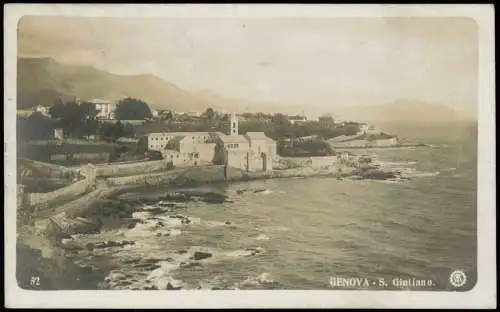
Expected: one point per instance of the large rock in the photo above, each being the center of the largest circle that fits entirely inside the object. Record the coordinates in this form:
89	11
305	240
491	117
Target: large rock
200	255
175	285
109	244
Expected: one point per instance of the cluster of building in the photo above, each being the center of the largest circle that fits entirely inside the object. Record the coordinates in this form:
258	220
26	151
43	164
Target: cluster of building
106	110
253	151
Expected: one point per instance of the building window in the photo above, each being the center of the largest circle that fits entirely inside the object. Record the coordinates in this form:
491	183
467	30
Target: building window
236	145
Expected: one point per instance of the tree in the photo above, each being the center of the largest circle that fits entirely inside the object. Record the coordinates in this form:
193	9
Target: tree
111	132
35	127
281	120
88	110
132	109
168	116
209	113
69	117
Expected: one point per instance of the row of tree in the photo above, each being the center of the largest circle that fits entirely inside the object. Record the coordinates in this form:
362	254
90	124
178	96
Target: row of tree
80	120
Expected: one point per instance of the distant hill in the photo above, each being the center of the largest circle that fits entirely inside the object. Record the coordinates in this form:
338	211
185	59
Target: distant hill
402	110
42	80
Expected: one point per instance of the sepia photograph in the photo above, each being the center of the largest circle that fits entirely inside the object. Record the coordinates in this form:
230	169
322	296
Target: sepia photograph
203	152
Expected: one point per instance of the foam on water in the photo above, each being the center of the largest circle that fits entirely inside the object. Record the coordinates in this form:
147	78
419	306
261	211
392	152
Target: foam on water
262	279
304	243
262	237
243	252
397	163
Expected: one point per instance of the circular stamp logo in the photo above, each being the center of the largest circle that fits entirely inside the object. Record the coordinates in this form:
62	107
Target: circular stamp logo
458	278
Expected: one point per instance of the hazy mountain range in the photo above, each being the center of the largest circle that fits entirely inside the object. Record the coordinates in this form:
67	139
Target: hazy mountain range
42	80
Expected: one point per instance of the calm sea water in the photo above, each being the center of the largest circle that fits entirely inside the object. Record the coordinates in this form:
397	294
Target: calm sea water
311	229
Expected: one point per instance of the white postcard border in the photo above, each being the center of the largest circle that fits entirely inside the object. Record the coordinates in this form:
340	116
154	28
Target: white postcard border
483	295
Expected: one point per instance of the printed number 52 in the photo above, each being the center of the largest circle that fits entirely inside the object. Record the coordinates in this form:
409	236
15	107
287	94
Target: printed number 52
35	280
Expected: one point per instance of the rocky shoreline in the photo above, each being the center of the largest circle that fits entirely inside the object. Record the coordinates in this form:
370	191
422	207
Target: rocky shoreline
69	269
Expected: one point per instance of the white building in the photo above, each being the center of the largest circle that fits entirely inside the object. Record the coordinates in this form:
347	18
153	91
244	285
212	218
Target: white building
154	113
193	114
297	119
231	125
253	151
58	134
42	109
363	128
184	147
106	109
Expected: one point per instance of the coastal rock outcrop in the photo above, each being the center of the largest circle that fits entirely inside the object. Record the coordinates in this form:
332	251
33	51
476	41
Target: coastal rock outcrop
200	255
108	244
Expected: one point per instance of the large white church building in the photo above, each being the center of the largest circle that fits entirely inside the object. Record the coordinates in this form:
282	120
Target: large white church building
253	151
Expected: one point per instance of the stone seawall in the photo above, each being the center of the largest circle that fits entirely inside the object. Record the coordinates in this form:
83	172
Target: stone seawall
49	170
141	179
72	190
110	170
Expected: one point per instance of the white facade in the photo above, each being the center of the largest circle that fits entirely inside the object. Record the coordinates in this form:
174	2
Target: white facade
297	120
363	128
42	109
184	147
231	125
106	109
253	151
58	134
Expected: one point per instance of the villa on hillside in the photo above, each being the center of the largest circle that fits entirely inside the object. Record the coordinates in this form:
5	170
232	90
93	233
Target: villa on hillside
253	151
297	119
326	121
44	110
106	109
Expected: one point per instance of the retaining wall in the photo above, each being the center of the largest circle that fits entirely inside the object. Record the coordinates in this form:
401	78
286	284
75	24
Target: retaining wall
74	208
47	169
110	170
141	179
75	189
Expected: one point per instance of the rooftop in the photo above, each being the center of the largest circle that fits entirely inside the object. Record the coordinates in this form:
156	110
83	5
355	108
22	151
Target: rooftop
233	138
174	143
99	101
256	135
185	133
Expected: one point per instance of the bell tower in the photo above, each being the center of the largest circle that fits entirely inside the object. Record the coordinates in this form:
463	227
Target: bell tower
231	124
234	124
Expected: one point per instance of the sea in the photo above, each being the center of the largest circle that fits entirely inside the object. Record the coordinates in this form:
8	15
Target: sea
302	233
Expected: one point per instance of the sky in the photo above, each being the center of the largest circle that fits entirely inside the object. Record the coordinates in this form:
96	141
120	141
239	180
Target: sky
292	61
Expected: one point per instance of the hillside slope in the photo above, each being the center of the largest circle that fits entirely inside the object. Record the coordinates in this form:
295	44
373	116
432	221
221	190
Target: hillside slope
42	80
